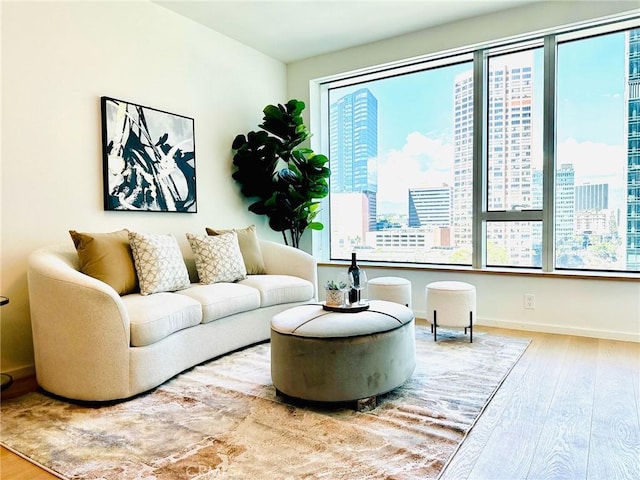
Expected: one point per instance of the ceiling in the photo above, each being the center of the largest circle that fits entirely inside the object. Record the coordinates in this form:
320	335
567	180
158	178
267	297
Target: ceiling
296	29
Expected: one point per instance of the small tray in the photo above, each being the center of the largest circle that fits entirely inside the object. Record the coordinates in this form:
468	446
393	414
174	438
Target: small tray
355	308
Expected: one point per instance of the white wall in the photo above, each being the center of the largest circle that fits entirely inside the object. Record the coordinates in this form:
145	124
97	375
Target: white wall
58	58
607	309
590	308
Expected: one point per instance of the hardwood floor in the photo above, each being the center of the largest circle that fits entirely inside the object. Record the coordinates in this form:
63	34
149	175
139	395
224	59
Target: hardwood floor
13	467
569	409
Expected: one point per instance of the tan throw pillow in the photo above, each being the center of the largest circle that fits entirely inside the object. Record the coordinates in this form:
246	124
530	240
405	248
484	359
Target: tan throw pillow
218	258
249	247
107	257
159	263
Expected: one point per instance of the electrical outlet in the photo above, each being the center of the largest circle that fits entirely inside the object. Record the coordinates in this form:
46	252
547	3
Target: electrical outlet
529	301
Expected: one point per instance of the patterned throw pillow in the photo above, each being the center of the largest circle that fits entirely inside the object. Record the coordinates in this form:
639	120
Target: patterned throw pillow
158	262
249	247
218	258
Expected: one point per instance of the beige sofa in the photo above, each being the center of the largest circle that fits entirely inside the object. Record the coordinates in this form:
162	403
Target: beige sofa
92	344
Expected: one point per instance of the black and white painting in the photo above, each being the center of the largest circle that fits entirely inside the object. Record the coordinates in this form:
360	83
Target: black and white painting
148	159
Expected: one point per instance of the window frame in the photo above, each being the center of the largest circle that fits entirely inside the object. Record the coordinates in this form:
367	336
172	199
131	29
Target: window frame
480	55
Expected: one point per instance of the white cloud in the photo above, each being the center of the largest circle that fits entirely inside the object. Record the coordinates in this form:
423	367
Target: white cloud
594	162
422	162
425	162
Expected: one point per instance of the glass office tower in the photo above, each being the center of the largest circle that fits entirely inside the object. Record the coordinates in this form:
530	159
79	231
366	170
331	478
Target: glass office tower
633	149
353	147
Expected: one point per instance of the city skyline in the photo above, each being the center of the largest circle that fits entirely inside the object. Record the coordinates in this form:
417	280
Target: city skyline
417	131
437	150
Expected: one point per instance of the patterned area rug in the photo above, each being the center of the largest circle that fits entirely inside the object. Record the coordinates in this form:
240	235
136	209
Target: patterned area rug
223	420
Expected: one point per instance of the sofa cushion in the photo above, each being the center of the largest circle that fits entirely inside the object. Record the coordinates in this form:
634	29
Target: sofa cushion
218	259
279	289
107	257
223	299
249	247
154	317
158	262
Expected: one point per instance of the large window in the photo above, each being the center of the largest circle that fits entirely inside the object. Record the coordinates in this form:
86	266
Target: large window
524	154
398	146
593	156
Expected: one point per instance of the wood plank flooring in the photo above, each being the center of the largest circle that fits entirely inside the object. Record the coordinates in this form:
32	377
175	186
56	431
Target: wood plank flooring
569	409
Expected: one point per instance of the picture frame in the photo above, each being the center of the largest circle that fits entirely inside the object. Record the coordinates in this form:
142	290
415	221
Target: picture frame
148	158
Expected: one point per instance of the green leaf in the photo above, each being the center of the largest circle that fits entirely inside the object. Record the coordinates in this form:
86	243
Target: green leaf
295	107
315	226
238	142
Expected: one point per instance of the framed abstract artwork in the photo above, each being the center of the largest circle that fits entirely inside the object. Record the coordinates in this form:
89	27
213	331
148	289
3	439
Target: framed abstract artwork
148	159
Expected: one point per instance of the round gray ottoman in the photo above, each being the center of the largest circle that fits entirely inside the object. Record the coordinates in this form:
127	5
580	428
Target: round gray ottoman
326	356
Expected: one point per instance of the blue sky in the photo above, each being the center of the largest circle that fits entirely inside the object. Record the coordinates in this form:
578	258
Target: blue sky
591	89
428	109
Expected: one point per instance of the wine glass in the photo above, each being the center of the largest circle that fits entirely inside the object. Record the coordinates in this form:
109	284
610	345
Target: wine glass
344	286
357	281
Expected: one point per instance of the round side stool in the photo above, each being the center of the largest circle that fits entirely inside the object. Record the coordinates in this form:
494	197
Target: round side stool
451	304
391	289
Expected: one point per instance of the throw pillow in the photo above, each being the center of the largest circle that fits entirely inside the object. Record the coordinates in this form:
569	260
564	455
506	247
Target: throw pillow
107	257
159	263
218	258
249	246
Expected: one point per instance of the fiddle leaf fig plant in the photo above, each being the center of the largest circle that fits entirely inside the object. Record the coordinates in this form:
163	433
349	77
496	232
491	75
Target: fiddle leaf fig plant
284	180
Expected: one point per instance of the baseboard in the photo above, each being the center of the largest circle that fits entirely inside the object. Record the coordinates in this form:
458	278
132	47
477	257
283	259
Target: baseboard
547	328
562	330
21	372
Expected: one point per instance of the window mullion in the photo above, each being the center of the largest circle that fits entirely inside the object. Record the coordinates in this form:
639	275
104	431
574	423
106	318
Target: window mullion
549	153
479	224
514	216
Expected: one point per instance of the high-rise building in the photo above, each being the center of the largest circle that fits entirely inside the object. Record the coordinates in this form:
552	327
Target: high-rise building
353	147
463	160
430	206
592	197
565	203
536	188
633	148
509	140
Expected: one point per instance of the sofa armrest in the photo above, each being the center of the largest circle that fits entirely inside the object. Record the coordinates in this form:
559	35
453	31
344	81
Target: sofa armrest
80	329
282	259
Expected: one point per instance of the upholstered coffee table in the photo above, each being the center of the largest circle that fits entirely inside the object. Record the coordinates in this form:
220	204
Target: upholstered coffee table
326	356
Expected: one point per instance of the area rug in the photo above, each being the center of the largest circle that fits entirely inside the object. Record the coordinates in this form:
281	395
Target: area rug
223	419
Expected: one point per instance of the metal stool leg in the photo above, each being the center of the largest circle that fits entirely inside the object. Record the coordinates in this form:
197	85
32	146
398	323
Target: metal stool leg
470	327
435	327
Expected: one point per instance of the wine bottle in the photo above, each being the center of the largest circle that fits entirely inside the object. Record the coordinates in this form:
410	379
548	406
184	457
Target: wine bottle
354	295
